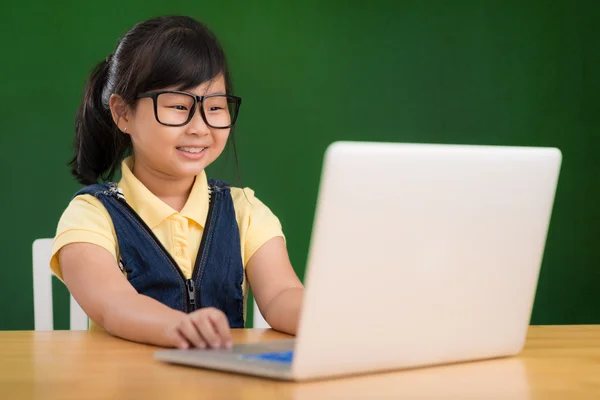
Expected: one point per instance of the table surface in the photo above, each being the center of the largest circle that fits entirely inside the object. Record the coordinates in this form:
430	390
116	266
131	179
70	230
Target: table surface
561	362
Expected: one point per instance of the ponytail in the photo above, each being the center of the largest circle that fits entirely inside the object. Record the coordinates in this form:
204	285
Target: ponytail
99	144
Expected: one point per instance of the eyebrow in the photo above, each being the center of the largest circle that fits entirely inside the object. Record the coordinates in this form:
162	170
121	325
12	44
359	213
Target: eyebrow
215	92
206	93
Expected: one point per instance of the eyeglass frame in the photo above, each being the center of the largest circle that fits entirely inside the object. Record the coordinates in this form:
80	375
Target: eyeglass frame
197	99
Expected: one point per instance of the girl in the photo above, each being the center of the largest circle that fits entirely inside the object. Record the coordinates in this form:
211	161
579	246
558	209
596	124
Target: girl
162	256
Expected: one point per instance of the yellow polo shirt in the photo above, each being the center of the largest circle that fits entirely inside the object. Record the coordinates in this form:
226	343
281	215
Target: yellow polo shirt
86	220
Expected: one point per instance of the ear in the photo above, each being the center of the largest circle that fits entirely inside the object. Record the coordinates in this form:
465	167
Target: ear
120	111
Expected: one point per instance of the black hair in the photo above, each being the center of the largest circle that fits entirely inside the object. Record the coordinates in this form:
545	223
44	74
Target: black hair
171	51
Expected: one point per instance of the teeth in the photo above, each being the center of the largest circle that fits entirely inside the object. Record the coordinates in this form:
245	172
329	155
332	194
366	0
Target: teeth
192	149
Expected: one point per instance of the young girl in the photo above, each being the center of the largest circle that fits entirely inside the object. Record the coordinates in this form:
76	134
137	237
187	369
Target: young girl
162	256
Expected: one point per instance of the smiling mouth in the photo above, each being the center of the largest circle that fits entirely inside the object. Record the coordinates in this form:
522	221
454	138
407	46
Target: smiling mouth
193	150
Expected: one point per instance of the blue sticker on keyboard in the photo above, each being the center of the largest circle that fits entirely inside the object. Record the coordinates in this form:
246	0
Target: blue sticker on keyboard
284	357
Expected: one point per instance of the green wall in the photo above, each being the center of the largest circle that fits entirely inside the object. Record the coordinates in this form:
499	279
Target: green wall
314	71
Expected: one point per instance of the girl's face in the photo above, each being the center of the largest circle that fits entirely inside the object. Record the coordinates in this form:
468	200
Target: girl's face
173	152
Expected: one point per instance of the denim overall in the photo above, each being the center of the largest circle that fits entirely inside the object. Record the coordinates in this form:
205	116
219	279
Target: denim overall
218	273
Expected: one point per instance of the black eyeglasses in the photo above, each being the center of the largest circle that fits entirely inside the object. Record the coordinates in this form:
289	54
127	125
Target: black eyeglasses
176	108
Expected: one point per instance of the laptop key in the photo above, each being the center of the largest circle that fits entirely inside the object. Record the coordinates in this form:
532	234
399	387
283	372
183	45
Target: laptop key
284	357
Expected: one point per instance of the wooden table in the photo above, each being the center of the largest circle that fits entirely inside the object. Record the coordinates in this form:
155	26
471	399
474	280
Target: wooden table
561	362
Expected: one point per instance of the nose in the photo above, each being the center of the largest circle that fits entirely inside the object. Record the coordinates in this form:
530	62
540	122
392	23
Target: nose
197	126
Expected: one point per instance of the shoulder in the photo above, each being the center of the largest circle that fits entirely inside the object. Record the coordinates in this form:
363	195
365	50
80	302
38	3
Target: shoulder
247	204
84	220
257	222
84	211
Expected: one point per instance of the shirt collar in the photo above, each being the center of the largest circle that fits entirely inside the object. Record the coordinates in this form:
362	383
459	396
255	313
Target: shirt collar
152	209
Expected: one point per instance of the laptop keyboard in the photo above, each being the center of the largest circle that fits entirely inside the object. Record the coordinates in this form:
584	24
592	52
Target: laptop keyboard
284	357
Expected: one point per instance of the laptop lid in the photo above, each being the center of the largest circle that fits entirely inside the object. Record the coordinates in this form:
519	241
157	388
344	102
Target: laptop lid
423	254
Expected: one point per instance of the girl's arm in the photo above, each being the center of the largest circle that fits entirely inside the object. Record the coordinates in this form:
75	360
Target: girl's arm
276	288
94	279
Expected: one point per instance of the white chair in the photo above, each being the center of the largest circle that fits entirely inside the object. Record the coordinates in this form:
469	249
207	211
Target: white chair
42	291
42	294
258	321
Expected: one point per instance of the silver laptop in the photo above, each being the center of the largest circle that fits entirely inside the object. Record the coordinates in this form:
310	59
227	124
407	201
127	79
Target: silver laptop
420	255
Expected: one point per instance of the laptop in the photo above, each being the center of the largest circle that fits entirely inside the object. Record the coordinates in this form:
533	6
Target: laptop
420	255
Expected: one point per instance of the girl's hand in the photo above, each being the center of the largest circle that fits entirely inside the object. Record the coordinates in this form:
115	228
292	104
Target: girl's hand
204	328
